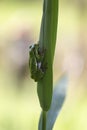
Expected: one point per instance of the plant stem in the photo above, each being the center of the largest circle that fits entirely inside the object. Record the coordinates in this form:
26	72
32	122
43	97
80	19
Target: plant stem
43	120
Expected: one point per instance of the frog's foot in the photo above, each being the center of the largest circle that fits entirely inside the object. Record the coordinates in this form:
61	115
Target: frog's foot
44	67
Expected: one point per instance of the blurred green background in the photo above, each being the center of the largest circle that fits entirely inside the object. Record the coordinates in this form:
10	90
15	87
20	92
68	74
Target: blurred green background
19	27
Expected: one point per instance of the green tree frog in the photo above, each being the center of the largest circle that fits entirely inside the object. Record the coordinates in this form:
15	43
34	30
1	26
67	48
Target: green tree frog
36	62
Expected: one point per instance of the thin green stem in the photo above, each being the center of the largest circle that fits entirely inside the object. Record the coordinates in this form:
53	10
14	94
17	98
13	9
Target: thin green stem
43	120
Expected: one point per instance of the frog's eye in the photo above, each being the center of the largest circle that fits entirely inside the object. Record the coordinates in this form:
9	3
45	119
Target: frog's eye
31	47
